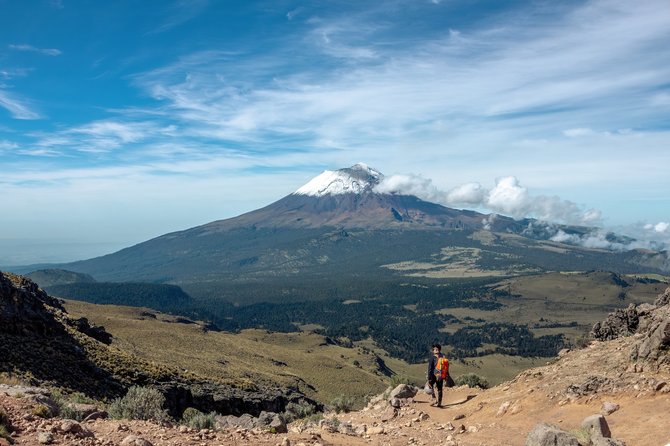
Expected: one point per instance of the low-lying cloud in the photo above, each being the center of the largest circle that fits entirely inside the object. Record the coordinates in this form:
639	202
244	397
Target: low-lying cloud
507	197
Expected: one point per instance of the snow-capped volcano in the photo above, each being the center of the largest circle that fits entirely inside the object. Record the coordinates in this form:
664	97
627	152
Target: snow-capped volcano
355	179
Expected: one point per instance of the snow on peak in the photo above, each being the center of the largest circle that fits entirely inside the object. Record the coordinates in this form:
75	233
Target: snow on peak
352	180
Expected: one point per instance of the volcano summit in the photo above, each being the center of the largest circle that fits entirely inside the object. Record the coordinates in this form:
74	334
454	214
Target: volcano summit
338	227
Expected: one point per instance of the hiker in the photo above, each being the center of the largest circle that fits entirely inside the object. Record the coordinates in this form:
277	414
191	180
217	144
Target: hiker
438	370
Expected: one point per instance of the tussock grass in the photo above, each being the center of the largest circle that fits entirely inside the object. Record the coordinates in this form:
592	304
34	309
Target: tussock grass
5	425
195	419
10	379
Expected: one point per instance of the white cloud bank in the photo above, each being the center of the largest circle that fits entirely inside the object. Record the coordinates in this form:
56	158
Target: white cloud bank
507	197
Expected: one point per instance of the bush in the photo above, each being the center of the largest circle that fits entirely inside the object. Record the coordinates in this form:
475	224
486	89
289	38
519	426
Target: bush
42	411
342	404
4	425
4	432
64	402
195	419
396	380
140	403
472	380
298	411
10	379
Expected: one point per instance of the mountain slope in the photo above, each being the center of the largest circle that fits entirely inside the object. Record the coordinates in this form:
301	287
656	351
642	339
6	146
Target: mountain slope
337	227
40	342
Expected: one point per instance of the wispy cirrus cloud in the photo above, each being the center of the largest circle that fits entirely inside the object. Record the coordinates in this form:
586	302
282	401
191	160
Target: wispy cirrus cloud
443	85
18	107
180	12
10	73
33	49
98	136
8	145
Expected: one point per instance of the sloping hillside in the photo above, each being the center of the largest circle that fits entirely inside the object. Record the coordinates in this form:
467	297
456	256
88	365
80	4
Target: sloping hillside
41	343
626	378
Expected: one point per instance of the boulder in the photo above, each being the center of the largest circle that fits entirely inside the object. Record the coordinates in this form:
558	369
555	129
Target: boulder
597	426
656	341
547	435
609	408
134	440
278	425
389	414
403	391
375	430
45	438
591	385
74	428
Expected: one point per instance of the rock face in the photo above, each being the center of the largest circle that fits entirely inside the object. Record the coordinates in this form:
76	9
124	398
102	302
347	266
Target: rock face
23	307
622	322
651	323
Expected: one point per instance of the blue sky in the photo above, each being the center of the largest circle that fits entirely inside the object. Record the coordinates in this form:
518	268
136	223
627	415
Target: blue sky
124	120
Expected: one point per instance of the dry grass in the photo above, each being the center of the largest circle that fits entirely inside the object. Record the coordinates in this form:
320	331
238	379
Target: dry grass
11	379
253	357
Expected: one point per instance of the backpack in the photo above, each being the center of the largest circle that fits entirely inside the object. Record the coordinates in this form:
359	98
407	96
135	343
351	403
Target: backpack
441	367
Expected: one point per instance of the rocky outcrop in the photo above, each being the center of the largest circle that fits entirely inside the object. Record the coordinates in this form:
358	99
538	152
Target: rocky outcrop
649	323
25	308
212	397
622	322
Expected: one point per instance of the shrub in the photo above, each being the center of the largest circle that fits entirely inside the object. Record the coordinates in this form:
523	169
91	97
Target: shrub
42	411
298	411
396	380
64	401
140	403
342	404
4	425
583	435
10	379
195	419
472	380
4	432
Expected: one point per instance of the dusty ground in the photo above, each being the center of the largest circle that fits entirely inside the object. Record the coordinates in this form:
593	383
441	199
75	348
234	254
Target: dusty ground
499	416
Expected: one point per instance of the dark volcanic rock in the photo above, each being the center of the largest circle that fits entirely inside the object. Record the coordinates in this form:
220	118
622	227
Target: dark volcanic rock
620	323
23	307
226	400
650	323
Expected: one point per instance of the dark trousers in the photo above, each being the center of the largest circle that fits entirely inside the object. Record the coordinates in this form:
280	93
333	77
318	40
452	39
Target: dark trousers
437	383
